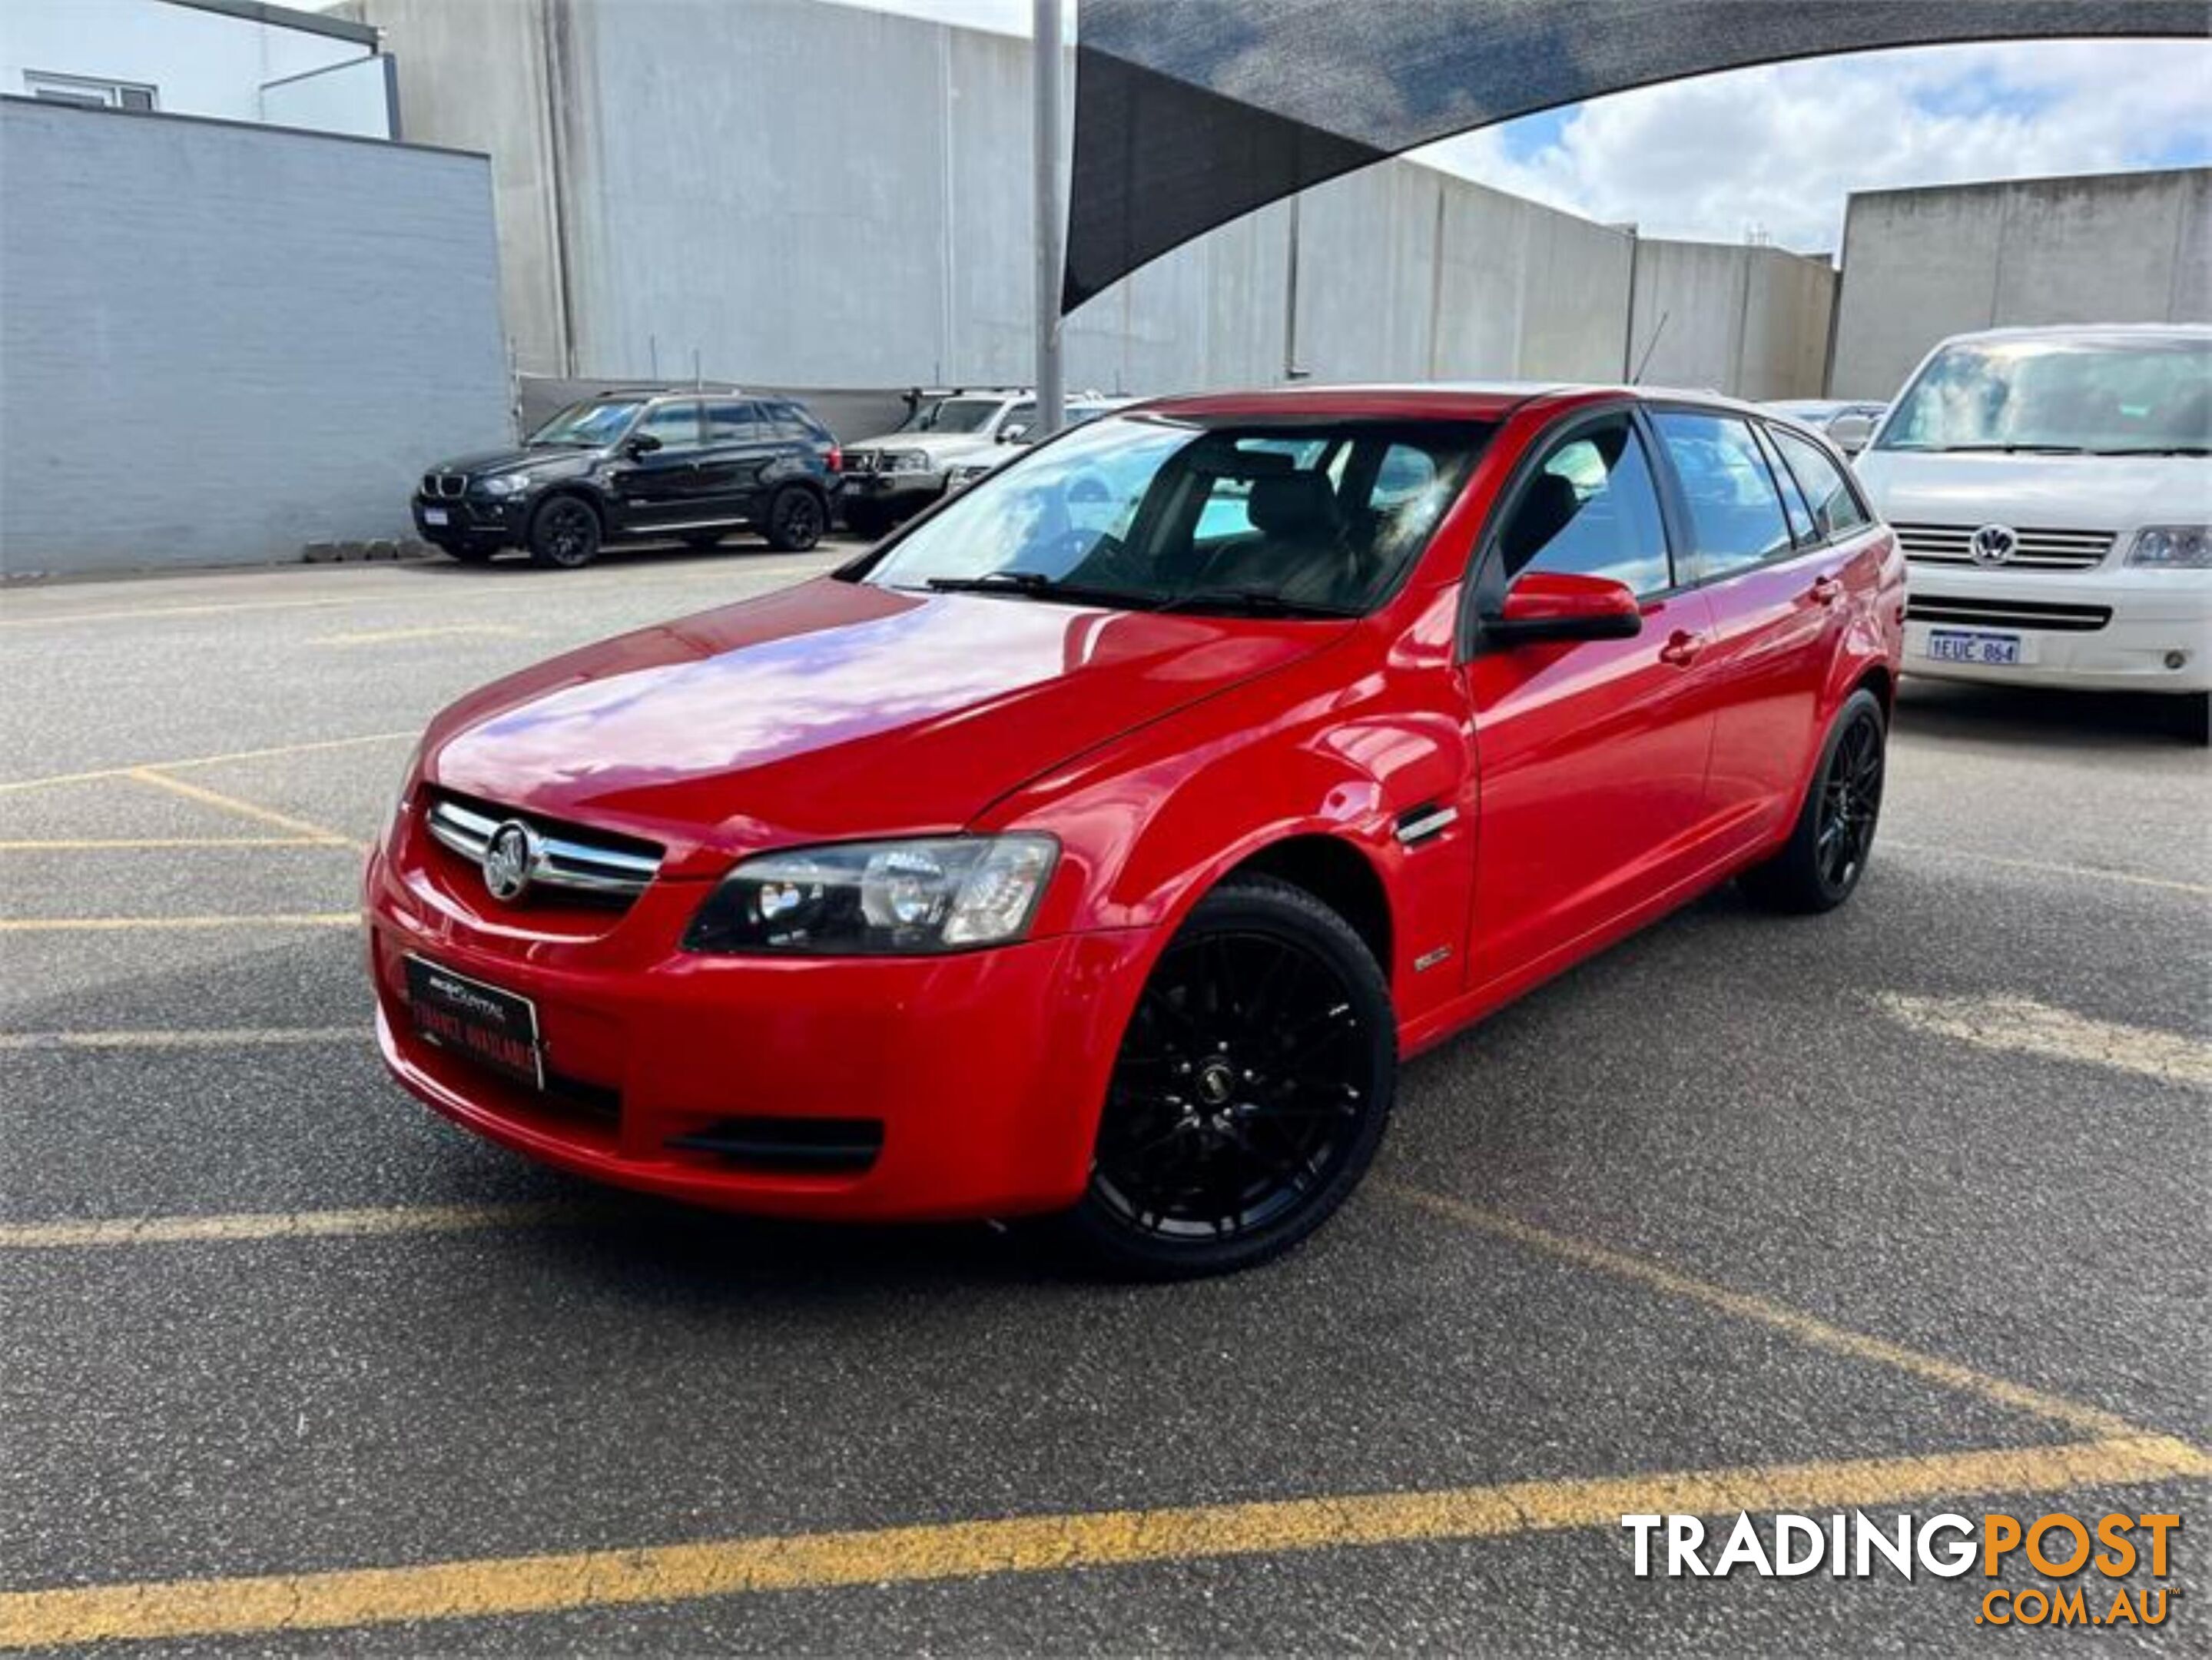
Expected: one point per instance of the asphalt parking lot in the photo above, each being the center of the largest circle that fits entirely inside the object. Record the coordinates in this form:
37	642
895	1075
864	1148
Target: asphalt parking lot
1902	1208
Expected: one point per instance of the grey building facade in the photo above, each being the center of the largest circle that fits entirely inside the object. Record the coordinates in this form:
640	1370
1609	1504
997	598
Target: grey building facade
292	325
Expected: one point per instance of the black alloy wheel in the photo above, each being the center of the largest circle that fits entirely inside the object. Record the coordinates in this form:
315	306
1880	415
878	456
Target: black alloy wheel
1828	849
1850	801
564	534
796	520
1251	1091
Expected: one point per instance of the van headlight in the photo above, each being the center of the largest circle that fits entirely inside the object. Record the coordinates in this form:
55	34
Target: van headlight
879	898
2172	547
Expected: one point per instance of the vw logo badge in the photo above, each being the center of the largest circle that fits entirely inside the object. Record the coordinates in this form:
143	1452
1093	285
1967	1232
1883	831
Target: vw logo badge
508	859
1993	545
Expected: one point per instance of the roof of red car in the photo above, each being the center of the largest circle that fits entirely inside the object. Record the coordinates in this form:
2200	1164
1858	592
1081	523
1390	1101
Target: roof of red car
1475	400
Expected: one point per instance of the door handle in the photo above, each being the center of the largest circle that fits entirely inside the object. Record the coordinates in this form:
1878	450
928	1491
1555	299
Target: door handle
1827	590
1681	648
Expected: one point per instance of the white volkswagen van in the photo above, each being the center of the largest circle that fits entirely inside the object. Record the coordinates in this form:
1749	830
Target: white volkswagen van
2052	489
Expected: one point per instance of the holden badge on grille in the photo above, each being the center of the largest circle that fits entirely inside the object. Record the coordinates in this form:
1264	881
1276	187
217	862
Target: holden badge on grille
508	859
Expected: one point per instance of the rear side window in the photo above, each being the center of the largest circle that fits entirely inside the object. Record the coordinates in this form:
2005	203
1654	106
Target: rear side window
1836	509
732	423
1735	516
1591	510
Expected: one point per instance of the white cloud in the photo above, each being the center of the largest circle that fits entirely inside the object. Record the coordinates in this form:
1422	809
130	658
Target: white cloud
1780	148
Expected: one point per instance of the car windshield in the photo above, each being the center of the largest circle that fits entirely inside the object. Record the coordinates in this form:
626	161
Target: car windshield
1149	513
2082	395
595	422
954	415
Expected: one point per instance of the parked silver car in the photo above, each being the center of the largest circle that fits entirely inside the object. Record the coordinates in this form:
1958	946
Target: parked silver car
1848	424
950	436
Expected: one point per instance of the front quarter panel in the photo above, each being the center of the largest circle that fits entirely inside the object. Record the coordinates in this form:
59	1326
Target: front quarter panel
1339	745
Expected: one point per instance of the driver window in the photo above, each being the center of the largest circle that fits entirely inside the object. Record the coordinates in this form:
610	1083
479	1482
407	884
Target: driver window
1591	510
676	425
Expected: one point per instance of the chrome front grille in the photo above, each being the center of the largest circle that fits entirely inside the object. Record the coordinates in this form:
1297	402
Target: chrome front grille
561	856
2005	614
864	460
2035	550
444	484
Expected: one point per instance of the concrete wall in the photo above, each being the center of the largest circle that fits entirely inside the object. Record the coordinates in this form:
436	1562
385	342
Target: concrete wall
817	195
199	62
1751	321
297	326
1919	264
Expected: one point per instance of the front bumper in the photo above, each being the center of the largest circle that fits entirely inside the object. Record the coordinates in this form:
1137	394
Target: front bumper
467	519
2155	617
985	1070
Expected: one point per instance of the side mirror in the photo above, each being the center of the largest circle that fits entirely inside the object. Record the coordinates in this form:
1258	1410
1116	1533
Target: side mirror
1015	433
644	444
1546	605
1850	433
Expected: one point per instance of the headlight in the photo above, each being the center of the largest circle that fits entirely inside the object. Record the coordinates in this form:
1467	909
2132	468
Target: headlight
879	898
906	461
2172	547
509	483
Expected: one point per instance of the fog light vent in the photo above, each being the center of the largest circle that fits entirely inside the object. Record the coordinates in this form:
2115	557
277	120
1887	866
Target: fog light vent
799	1146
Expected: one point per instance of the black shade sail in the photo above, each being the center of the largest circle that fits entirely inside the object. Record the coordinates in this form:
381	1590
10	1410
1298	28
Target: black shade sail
1190	112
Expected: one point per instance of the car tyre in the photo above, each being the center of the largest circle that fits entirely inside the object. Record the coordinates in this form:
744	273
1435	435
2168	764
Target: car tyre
564	534
2193	718
796	519
1829	845
1251	1089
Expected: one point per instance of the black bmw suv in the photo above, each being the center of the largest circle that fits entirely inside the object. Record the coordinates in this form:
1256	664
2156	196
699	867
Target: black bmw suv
629	466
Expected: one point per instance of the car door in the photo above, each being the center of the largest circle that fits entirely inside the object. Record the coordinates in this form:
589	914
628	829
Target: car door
658	488
1592	754
1775	622
740	446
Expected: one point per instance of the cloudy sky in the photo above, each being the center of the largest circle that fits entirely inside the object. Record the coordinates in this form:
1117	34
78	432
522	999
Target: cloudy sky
1775	150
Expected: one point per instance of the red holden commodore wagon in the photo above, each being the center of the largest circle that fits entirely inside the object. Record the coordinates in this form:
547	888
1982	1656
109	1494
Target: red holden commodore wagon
1100	842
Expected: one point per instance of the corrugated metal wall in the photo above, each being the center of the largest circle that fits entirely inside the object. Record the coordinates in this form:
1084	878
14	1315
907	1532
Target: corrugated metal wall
220	343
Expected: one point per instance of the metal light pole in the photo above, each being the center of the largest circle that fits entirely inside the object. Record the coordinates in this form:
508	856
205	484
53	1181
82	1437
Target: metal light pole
1044	140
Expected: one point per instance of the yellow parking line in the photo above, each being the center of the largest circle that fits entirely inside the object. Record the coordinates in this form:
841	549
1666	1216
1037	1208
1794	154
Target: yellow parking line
334	919
2024	1026
1046	1544
210	798
1803	1326
2043	866
209	1037
386	636
180	762
101	1232
139	844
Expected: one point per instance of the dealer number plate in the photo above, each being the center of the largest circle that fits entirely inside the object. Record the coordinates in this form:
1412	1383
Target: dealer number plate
494	1027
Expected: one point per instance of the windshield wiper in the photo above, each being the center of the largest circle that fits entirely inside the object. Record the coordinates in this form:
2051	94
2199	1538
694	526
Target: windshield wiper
2158	449
1252	602
1036	585
2012	449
